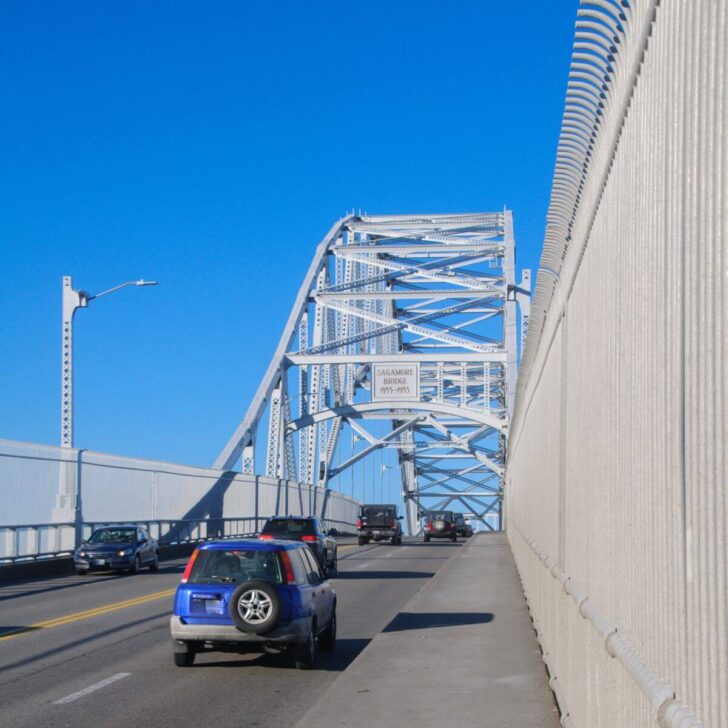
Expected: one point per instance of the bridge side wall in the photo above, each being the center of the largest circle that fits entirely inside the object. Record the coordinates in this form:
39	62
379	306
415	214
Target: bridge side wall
616	475
114	488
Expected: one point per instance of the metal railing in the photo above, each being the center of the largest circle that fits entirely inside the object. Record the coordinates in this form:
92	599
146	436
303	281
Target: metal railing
35	541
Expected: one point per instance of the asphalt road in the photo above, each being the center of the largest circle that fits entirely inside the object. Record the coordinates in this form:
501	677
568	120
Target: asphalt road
95	650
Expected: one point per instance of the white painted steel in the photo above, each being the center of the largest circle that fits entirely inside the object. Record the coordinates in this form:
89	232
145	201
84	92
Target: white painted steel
436	293
616	498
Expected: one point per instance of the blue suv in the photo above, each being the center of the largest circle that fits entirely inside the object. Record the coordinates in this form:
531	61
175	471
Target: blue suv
253	596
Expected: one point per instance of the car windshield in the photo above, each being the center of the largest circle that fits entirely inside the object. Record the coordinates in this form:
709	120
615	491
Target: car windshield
289	527
378	514
219	566
113	535
441	516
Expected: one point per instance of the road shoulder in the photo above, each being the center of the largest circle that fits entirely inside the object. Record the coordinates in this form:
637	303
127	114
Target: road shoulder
462	650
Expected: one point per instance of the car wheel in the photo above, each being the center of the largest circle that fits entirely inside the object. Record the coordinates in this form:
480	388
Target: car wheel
81	572
305	656
454	538
136	567
332	571
254	607
427	539
154	566
361	541
327	639
184	659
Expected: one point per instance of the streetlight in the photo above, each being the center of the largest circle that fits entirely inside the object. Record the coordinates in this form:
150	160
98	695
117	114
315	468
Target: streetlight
72	300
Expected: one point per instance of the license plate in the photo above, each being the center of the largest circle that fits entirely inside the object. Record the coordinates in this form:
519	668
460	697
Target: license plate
207	605
99	562
377	533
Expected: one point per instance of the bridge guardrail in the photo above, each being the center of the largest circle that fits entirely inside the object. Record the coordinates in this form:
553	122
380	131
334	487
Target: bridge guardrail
36	541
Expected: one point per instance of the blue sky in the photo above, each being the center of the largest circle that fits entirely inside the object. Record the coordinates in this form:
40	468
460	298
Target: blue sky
210	146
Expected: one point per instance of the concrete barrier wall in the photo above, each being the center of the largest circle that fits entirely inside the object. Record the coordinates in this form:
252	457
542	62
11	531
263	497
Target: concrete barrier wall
38	484
616	504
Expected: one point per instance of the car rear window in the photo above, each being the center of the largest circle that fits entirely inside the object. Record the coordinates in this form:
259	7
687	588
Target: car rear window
441	516
220	566
378	514
290	527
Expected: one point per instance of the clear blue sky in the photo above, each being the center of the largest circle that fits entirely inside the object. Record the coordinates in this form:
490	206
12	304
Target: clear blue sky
210	145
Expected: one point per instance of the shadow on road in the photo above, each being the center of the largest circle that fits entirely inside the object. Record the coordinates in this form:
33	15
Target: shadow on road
86	640
384	575
346	652
6	630
31	587
427	620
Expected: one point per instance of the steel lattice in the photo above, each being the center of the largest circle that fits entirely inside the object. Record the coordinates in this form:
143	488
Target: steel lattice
438	291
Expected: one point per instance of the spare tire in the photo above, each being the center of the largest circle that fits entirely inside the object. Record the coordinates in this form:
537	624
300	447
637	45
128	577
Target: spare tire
255	607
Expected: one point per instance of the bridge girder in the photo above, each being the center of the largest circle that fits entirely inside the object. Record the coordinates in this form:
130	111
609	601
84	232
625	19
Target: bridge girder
434	292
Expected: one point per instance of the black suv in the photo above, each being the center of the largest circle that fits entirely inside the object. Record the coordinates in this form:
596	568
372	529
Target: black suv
441	524
312	532
463	528
379	523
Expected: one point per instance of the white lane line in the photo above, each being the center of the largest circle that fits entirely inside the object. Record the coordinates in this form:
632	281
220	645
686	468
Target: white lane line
364	566
389	555
92	688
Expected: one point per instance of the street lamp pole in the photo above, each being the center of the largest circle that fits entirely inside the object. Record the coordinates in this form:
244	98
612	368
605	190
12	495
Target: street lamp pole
68	498
73	300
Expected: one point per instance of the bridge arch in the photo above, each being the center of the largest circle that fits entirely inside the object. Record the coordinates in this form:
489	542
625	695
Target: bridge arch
437	293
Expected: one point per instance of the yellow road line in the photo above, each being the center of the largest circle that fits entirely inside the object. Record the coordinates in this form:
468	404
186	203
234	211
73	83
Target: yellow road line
69	618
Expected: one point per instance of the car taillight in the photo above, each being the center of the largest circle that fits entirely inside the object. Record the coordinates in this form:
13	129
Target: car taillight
309	539
288	568
394	523
266	537
190	564
428	526
359	523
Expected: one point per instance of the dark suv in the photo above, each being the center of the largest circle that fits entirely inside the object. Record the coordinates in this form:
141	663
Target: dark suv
312	532
441	524
463	528
378	523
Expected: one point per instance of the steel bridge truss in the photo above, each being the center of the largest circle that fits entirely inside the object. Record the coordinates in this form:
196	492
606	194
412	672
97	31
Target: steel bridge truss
436	291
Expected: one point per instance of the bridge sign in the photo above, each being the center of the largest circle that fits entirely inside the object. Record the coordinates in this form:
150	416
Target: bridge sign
395	381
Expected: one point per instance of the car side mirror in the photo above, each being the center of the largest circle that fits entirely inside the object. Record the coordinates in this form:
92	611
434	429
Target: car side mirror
333	532
399	518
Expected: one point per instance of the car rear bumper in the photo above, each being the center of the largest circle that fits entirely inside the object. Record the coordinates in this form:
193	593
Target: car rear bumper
377	532
293	632
440	534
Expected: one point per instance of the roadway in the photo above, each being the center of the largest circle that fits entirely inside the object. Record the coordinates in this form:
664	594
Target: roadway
95	650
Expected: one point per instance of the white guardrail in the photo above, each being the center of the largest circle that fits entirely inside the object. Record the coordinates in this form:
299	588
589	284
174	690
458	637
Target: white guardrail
50	497
25	542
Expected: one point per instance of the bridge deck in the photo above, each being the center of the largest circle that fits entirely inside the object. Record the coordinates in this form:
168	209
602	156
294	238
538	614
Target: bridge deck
462	651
